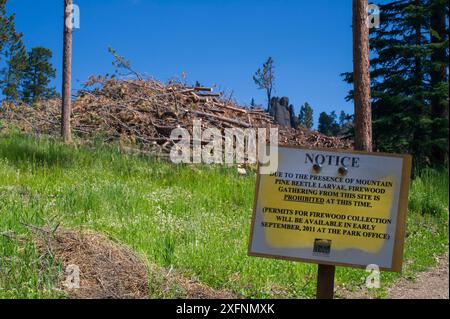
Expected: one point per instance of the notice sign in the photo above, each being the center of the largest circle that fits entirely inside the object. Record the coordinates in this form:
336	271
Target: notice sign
337	208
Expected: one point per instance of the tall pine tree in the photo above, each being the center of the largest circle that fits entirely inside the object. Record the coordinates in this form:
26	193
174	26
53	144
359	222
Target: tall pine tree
14	71
6	25
306	116
328	124
38	75
407	57
12	55
438	74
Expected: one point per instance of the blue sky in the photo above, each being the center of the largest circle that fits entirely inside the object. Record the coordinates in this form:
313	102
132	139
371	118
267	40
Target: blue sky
215	42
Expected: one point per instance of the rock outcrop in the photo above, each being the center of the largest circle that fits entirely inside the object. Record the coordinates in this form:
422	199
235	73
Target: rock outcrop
281	111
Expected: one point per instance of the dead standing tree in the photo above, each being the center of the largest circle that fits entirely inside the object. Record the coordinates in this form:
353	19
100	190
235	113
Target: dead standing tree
363	115
264	78
361	71
67	72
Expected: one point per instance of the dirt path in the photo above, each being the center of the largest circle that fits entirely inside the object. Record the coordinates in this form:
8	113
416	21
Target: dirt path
433	284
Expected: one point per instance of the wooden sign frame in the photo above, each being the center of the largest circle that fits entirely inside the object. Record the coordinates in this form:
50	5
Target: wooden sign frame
402	209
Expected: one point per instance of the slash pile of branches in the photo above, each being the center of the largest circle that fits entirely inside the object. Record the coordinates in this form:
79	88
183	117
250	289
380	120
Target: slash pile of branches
145	112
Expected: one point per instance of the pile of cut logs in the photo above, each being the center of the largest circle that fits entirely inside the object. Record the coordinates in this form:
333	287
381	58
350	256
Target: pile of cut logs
144	113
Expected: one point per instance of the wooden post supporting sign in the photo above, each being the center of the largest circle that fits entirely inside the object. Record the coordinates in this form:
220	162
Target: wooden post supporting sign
325	282
363	115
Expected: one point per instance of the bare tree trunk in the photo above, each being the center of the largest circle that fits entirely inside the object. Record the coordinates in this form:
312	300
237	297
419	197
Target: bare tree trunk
439	104
361	71
418	61
67	74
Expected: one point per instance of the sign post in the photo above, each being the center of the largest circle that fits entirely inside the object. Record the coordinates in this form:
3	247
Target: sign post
325	282
332	208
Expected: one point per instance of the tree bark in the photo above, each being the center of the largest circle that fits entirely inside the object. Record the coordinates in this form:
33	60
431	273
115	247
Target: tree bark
361	71
67	75
418	60
439	103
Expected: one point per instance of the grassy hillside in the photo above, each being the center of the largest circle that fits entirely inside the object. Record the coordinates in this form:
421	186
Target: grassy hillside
195	219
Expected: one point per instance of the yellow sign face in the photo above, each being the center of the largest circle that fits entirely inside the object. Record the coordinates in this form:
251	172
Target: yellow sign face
340	208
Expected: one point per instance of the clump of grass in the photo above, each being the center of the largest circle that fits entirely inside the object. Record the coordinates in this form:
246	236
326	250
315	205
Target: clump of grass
429	193
24	274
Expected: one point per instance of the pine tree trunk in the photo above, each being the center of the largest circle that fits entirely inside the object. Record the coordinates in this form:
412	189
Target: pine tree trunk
439	104
269	98
67	75
361	71
419	110
418	60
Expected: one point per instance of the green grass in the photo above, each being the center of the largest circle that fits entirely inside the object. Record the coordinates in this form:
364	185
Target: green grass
193	218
